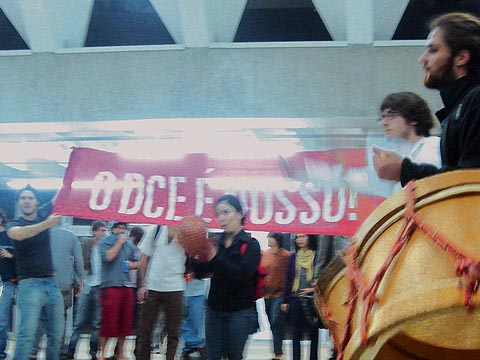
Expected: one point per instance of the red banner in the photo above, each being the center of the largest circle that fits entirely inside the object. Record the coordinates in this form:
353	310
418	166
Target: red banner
304	193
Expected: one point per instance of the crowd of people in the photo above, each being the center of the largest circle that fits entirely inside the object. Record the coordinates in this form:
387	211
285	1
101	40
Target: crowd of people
125	280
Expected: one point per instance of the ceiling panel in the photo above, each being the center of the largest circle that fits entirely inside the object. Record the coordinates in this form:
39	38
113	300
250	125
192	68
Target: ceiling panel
49	25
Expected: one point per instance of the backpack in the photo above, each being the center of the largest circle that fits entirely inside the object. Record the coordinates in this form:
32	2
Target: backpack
260	275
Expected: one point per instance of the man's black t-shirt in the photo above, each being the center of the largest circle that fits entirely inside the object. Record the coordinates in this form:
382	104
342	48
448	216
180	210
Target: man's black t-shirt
33	255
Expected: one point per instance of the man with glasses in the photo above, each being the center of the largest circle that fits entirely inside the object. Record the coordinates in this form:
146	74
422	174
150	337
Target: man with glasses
407	121
451	63
406	116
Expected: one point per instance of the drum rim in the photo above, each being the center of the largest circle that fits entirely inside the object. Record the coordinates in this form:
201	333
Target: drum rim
427	191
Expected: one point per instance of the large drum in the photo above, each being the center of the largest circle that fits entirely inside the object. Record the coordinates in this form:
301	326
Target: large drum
409	286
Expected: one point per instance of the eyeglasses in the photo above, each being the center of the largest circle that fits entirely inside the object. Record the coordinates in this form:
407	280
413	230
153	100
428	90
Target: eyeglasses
389	115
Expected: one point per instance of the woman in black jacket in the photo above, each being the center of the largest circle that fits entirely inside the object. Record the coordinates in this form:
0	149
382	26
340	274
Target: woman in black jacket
231	311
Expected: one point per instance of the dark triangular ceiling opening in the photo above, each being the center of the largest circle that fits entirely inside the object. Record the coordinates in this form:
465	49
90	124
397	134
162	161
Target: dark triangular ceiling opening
10	39
267	21
413	25
126	23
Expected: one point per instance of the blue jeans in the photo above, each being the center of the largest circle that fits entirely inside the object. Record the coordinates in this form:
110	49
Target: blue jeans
276	318
227	332
299	325
193	326
6	305
35	295
88	308
67	304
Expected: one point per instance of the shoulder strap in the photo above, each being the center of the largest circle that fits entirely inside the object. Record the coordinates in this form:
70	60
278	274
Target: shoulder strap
243	248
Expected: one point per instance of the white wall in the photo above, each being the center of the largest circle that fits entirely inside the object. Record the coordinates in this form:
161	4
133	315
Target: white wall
222	82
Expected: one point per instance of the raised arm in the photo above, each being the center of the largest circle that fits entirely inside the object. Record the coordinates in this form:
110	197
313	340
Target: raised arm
20	233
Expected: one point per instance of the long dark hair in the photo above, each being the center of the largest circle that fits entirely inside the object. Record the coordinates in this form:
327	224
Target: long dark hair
278	238
312	243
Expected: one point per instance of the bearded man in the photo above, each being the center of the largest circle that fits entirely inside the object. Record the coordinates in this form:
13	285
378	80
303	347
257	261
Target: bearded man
451	63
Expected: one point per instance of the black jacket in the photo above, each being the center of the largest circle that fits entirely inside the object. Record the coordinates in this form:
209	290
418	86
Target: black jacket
232	287
460	139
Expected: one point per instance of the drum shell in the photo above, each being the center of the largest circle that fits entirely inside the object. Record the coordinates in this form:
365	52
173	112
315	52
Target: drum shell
420	311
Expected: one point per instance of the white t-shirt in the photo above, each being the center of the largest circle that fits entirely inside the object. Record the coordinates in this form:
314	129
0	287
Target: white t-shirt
365	180
424	150
166	267
95	278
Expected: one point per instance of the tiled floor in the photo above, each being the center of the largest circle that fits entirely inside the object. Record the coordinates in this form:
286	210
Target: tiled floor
258	348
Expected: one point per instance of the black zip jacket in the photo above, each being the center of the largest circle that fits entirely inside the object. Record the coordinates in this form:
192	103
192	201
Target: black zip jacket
232	287
460	139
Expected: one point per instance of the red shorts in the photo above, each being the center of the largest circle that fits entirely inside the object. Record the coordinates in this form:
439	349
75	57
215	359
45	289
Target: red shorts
118	311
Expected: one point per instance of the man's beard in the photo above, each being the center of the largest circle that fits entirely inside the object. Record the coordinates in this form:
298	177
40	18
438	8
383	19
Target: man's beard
442	77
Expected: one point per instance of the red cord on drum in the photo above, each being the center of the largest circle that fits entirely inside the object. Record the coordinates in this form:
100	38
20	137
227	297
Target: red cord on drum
466	268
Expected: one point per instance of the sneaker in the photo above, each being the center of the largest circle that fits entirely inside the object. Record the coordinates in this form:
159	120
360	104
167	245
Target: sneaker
203	353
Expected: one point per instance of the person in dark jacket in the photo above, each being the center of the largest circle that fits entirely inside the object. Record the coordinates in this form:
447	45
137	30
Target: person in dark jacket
231	310
451	63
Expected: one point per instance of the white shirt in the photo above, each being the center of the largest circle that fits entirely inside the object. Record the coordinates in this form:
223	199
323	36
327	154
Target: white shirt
166	267
424	150
95	279
365	180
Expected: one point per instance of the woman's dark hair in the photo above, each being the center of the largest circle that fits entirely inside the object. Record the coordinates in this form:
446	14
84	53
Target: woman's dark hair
233	201
277	236
312	243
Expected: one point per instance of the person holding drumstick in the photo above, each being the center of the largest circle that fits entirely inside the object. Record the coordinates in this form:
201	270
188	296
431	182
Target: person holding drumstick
451	63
